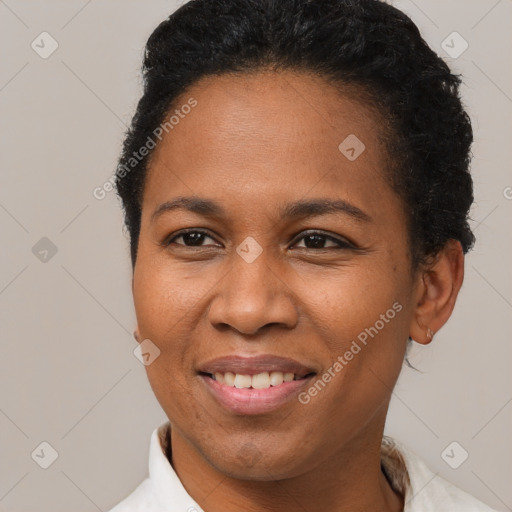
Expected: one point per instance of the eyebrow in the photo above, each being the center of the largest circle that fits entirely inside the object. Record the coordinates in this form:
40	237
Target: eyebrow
297	209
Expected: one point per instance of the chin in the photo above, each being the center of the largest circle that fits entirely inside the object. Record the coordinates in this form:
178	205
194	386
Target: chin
248	461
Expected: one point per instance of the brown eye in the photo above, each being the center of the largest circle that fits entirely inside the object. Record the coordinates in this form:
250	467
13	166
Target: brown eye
190	238
316	240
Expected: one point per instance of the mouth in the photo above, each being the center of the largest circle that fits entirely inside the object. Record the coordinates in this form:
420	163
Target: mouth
254	385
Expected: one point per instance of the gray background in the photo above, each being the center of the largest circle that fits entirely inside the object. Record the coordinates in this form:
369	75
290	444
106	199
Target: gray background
67	369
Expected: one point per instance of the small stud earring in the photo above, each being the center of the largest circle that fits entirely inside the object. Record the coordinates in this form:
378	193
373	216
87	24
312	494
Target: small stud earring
430	334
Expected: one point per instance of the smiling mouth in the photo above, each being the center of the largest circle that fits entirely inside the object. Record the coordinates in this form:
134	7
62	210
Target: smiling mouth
261	380
255	384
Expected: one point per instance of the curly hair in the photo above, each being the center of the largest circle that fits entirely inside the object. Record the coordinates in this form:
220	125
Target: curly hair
365	45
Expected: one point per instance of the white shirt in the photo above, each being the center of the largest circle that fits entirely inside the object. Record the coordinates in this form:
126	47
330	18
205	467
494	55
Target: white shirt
423	491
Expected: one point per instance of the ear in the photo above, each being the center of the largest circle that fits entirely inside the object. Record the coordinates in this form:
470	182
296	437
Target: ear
136	333
438	285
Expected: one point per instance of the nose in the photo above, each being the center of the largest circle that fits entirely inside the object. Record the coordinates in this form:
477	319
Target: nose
252	296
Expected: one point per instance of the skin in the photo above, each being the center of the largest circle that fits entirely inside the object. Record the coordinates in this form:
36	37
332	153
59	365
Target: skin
254	143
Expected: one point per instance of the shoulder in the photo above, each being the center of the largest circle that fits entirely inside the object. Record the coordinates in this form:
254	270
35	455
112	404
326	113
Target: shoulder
424	490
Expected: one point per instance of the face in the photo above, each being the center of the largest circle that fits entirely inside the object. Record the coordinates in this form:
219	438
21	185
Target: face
270	252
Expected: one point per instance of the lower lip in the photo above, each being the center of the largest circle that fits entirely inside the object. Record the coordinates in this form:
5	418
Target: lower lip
254	401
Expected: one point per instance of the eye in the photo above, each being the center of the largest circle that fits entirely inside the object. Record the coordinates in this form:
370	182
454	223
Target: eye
311	240
318	240
190	238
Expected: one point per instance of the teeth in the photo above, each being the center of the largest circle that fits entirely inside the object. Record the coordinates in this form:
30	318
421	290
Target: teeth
276	378
242	381
229	379
259	381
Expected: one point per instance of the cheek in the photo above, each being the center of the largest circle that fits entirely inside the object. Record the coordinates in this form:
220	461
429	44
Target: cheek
362	318
163	305
165	296
353	302
364	356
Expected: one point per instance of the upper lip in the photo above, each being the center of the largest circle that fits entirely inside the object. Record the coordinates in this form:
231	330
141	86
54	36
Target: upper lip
252	365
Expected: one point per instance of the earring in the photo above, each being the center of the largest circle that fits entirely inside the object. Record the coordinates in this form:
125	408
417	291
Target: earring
430	334
135	335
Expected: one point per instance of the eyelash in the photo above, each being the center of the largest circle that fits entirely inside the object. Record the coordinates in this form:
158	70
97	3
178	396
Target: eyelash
342	244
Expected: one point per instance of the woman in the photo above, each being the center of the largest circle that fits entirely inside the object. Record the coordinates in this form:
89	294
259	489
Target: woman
296	188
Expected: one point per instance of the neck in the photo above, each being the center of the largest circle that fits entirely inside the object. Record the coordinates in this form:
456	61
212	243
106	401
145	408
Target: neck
349	479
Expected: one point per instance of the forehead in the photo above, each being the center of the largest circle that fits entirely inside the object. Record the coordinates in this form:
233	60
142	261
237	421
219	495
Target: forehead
279	133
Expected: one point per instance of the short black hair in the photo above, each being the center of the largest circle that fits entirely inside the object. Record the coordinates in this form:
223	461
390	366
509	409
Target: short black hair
364	44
